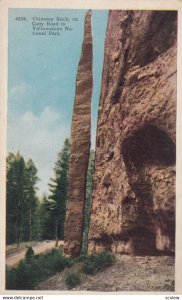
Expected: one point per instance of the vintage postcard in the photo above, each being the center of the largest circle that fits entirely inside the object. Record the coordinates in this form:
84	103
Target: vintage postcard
91	147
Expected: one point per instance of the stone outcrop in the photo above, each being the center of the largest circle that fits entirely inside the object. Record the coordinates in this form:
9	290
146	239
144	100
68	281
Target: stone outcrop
133	209
80	146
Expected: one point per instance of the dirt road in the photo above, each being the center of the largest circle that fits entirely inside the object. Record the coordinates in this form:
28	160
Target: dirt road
14	254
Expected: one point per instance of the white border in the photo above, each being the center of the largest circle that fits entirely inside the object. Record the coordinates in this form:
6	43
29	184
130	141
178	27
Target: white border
81	4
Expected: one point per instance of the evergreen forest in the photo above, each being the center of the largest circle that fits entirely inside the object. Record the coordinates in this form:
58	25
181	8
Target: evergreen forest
30	217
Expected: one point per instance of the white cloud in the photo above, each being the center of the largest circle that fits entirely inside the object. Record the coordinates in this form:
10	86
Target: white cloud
19	89
47	117
39	137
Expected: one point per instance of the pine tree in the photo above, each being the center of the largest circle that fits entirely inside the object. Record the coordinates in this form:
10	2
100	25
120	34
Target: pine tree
11	203
58	191
31	198
44	227
15	196
21	198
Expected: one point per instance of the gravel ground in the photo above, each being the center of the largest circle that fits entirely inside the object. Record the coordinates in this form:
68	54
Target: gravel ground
129	273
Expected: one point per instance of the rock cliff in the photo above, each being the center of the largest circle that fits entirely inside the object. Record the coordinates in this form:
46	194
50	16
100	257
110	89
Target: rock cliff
80	146
133	209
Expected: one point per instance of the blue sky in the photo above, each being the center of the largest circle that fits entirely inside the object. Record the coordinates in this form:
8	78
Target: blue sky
41	84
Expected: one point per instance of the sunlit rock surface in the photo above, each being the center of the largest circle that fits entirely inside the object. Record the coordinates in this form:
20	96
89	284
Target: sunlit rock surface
133	209
80	146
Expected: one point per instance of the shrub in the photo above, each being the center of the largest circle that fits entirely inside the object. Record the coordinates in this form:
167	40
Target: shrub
26	276
11	278
34	269
98	262
81	258
72	280
104	260
61	263
90	267
29	254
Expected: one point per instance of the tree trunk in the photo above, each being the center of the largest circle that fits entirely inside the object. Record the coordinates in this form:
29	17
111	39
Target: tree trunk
57	236
30	224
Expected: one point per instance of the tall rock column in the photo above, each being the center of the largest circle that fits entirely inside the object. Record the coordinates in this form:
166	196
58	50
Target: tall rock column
80	146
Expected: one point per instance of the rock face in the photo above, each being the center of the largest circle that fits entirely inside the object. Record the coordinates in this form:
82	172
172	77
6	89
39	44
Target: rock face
133	208
80	146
